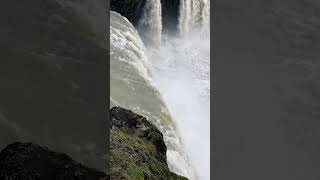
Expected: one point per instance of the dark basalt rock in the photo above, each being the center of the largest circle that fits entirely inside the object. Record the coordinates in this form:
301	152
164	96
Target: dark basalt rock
27	161
138	150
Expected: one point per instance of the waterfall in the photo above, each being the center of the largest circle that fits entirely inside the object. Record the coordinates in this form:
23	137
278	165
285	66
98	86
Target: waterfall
194	15
132	87
181	71
167	80
151	23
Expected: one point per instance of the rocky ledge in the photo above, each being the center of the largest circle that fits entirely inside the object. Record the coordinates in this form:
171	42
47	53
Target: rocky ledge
27	161
137	148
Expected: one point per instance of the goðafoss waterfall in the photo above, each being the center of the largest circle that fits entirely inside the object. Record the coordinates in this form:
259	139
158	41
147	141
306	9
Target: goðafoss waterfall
167	79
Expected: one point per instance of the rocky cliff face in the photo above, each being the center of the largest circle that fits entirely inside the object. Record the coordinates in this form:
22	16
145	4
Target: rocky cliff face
137	148
53	73
27	161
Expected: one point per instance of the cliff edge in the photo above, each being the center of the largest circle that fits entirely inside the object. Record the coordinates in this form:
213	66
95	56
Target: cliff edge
137	148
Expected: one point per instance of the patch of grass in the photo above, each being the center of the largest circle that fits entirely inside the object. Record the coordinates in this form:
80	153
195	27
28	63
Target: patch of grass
135	157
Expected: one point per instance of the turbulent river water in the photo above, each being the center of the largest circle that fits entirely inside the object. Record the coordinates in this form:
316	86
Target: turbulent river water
167	79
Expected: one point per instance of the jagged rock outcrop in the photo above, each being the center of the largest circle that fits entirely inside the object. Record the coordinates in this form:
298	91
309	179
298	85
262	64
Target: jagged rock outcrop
53	76
137	148
27	161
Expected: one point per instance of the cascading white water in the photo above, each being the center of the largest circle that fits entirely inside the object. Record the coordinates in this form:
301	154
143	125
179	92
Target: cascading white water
181	70
194	16
132	87
151	23
167	80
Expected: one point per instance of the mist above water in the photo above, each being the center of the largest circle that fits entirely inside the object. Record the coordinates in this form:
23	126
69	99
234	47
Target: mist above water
132	87
167	80
182	75
181	72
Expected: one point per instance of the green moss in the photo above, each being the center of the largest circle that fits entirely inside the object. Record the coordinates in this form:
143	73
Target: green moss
135	157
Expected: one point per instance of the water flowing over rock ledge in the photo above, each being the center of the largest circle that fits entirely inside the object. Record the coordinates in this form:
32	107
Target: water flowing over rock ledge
138	150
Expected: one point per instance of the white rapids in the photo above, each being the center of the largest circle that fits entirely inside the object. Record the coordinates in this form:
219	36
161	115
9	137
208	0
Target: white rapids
167	79
132	87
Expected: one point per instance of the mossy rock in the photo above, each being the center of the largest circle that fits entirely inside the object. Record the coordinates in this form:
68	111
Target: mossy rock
137	148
